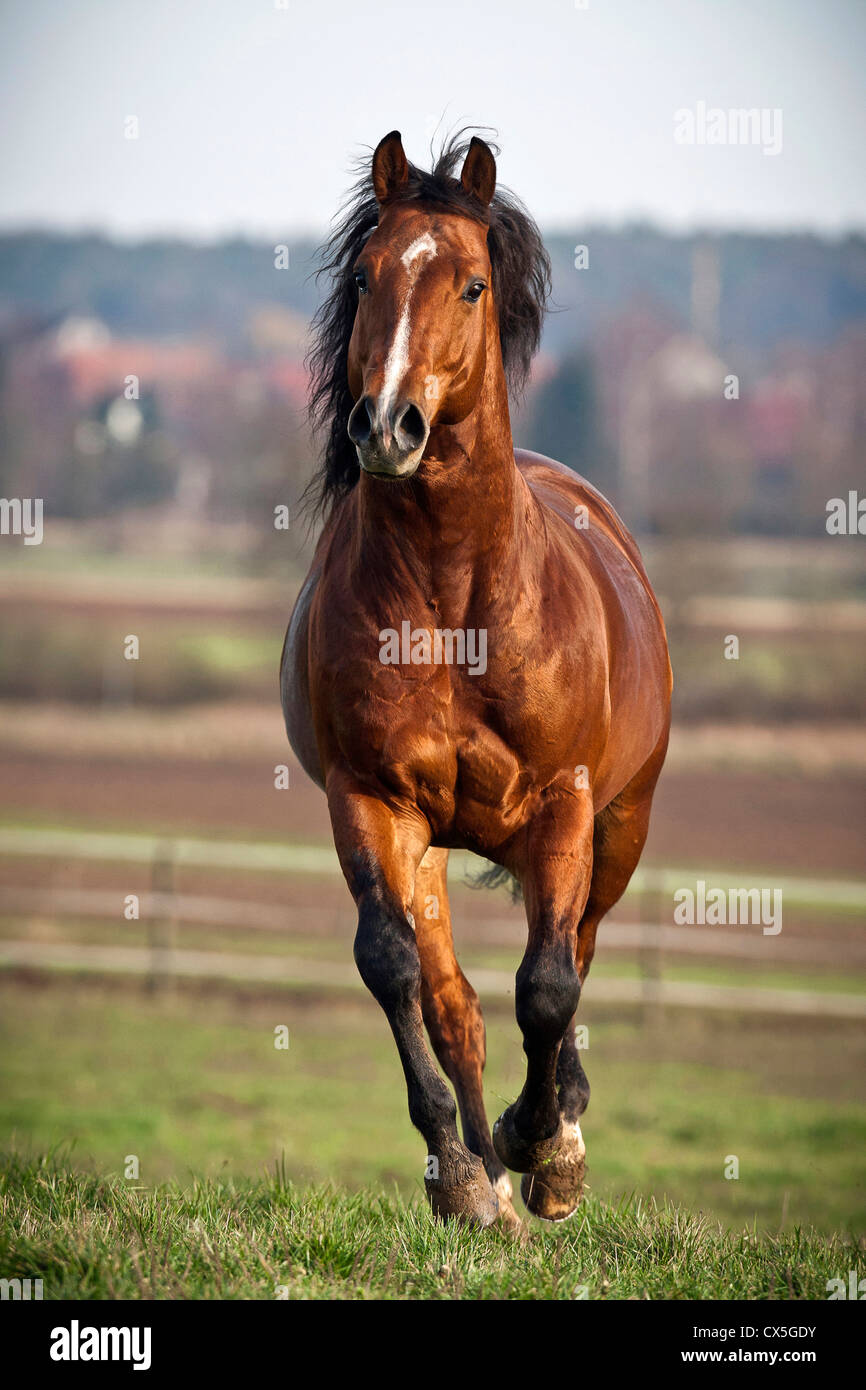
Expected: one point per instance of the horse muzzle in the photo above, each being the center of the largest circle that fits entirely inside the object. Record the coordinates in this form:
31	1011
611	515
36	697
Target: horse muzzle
389	441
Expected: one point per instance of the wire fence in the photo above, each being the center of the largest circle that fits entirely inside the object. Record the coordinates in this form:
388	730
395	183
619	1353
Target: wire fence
164	913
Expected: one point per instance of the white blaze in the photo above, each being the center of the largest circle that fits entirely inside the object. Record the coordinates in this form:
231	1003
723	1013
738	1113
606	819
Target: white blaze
423	246
422	249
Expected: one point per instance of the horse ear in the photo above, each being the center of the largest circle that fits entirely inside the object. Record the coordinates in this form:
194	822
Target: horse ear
390	167
479	171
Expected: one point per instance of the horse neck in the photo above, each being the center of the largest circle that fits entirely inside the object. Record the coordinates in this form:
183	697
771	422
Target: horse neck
461	508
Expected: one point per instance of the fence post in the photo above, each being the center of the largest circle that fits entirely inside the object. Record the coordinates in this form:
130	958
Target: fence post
650	957
161	920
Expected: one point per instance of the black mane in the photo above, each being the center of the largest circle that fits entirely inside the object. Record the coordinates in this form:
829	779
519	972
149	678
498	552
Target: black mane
521	286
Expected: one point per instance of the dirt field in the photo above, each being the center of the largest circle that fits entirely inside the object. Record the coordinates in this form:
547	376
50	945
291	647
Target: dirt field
738	819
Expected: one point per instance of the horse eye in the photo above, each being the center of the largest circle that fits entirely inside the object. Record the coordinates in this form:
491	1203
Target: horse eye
475	291
360	279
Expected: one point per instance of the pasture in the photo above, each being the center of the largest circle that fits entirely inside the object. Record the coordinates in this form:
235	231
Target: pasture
234	1141
193	1086
298	1168
264	1239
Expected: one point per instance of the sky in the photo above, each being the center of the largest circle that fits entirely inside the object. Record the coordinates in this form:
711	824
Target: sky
250	112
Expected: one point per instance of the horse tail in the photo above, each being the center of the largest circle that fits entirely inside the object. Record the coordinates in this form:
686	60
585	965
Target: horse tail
495	876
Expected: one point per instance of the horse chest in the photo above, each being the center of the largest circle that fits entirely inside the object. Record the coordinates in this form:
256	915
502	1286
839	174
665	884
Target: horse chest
471	767
466	722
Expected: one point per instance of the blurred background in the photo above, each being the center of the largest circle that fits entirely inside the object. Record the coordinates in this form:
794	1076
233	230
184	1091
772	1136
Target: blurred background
168	896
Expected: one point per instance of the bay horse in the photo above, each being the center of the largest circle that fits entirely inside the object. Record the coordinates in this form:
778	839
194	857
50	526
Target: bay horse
542	757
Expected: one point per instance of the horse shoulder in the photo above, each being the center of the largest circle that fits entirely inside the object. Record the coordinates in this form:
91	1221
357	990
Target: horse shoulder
564	490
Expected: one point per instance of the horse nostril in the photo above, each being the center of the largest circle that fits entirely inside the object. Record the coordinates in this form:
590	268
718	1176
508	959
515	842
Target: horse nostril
410	426
361	421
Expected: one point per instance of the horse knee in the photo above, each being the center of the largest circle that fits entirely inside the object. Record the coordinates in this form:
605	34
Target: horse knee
387	959
386	956
547	994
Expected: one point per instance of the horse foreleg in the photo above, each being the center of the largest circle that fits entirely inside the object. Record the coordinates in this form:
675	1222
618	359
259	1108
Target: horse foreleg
555	872
454	1021
380	851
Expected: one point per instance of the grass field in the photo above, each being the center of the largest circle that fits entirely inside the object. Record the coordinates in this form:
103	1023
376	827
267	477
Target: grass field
193	1086
92	1238
238	1143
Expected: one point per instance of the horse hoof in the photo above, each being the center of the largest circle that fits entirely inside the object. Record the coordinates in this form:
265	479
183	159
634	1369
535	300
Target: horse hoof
553	1193
472	1202
519	1154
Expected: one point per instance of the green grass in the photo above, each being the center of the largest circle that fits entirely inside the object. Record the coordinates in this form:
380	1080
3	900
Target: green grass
192	1084
88	1237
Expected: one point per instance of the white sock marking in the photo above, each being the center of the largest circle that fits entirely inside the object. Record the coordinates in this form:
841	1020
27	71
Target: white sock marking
571	1134
502	1187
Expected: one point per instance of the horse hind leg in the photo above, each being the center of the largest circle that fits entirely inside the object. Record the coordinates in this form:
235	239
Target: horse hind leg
554	1191
554	865
454	1022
